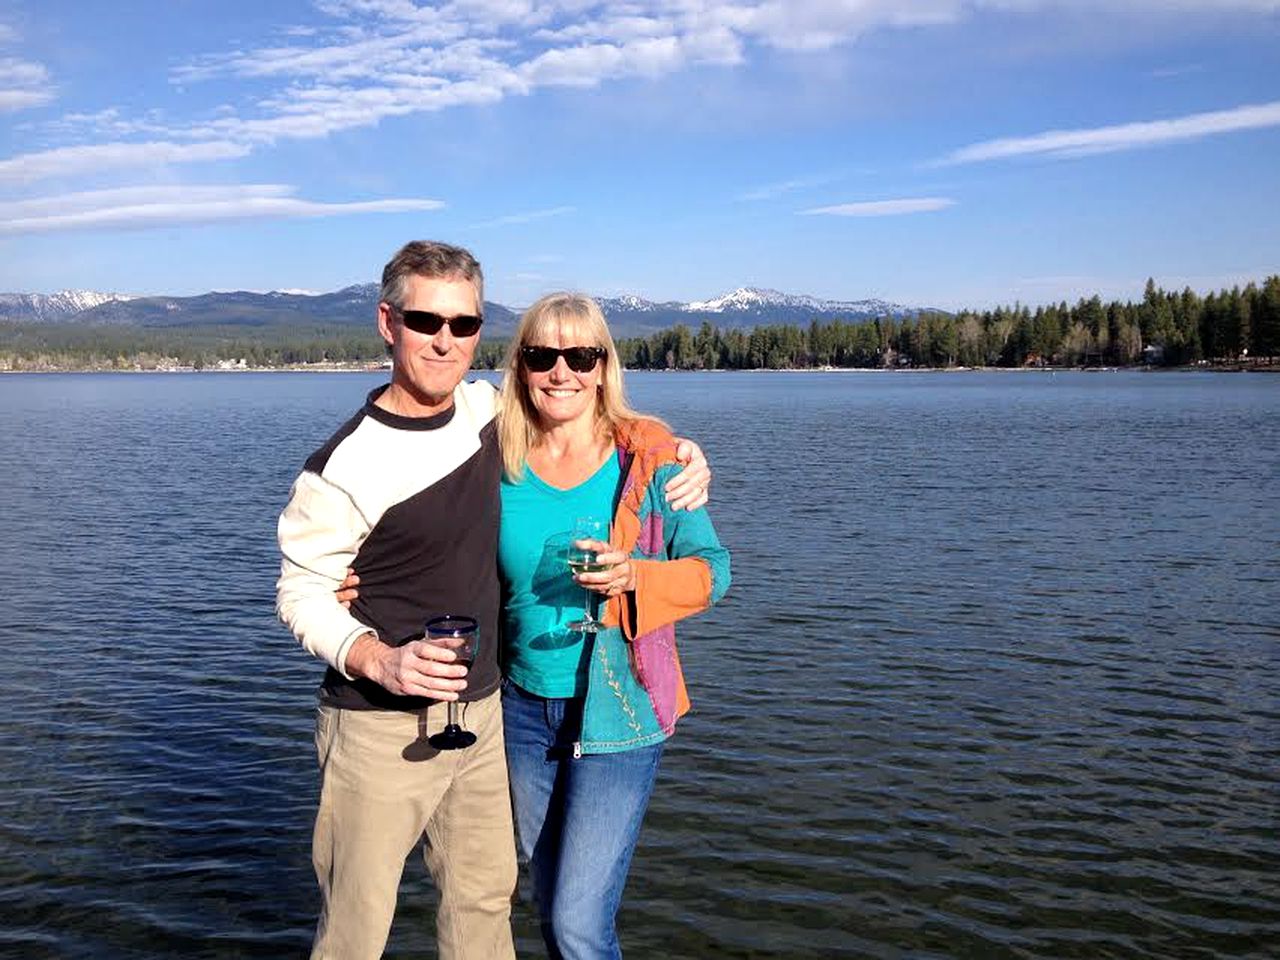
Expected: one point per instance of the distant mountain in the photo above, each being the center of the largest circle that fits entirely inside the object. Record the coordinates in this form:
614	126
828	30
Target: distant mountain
754	300
355	306
52	307
350	306
742	308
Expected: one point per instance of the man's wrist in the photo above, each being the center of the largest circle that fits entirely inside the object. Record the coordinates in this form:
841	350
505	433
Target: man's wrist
362	657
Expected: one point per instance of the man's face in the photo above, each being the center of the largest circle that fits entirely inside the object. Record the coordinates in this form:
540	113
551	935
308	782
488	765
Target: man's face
428	367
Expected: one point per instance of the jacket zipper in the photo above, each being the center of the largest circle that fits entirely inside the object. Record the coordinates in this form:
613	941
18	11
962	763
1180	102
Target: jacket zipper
625	459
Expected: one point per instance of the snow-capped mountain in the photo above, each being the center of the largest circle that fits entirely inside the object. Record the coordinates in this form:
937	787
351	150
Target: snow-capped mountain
53	307
628	315
755	299
742	308
631	303
358	292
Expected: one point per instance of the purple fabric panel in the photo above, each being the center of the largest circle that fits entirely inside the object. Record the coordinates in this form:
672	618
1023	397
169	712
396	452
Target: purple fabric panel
655	657
650	541
628	480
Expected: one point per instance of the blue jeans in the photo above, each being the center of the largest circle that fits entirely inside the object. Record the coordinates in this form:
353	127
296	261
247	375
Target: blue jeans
577	820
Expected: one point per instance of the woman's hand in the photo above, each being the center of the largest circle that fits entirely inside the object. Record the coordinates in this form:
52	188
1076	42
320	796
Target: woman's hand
347	591
687	490
620	577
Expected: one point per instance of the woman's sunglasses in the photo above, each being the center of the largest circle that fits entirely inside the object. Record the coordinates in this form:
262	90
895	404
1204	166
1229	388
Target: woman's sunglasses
579	359
424	321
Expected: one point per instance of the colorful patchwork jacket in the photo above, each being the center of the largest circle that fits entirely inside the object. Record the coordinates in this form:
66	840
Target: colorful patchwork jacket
635	688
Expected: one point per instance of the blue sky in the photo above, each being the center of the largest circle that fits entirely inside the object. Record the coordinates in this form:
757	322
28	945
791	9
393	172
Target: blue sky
936	152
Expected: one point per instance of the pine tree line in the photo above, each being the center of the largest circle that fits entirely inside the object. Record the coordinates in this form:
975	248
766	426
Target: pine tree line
68	347
1165	328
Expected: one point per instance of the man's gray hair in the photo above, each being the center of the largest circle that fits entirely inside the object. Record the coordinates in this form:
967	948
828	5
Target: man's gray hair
434	261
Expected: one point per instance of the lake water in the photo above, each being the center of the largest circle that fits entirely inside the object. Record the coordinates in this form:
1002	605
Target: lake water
999	675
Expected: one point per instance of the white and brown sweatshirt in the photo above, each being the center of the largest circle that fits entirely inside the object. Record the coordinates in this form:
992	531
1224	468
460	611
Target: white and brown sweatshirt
412	505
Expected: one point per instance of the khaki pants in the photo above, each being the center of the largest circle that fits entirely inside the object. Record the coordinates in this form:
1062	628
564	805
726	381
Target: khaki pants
382	790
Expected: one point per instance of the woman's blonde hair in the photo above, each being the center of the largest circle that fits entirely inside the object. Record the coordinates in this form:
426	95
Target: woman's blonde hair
578	316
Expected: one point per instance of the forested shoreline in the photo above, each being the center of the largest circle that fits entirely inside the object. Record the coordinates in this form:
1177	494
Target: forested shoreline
1165	328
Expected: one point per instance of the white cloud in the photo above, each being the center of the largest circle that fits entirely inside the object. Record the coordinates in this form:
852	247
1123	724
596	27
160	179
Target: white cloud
391	9
23	84
69	161
587	65
1132	7
408	49
716	45
21	73
375	59
613	30
67	203
884	208
14	100
529	217
110	123
771	190
820	24
394	58
1125	136
816	25
174	205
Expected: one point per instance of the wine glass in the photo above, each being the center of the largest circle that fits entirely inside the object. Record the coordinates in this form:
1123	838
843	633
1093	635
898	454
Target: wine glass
462	636
584	560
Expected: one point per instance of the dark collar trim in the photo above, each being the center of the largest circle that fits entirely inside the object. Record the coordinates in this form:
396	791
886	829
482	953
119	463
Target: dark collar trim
387	418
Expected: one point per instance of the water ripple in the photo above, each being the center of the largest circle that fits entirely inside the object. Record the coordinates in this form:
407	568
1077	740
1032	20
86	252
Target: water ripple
996	679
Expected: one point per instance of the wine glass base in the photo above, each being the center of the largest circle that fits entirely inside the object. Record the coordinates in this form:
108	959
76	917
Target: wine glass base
452	738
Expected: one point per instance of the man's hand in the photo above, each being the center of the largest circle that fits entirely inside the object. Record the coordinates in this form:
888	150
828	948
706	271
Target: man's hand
687	490
417	669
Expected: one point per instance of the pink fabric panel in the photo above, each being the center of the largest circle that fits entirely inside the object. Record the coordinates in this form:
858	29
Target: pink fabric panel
656	668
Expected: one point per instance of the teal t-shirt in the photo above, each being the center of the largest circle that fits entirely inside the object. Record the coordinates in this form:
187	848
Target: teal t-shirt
539	595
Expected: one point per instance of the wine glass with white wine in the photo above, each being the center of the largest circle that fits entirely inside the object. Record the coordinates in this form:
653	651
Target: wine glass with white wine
583	558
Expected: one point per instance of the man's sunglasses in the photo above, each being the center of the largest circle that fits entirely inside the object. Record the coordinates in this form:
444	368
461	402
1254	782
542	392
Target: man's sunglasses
424	321
579	359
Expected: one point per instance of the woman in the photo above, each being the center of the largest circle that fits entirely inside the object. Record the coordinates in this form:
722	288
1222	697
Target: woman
586	716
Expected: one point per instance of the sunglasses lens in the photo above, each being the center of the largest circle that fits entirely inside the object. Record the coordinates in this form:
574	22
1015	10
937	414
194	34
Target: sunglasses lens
582	359
539	359
465	325
423	321
578	359
426	322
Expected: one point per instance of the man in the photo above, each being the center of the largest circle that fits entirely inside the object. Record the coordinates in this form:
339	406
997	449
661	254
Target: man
406	495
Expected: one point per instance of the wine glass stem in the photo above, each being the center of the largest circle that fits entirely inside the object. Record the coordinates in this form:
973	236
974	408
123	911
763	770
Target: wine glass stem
452	711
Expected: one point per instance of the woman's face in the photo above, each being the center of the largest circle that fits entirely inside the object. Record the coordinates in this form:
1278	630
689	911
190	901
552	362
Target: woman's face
561	395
